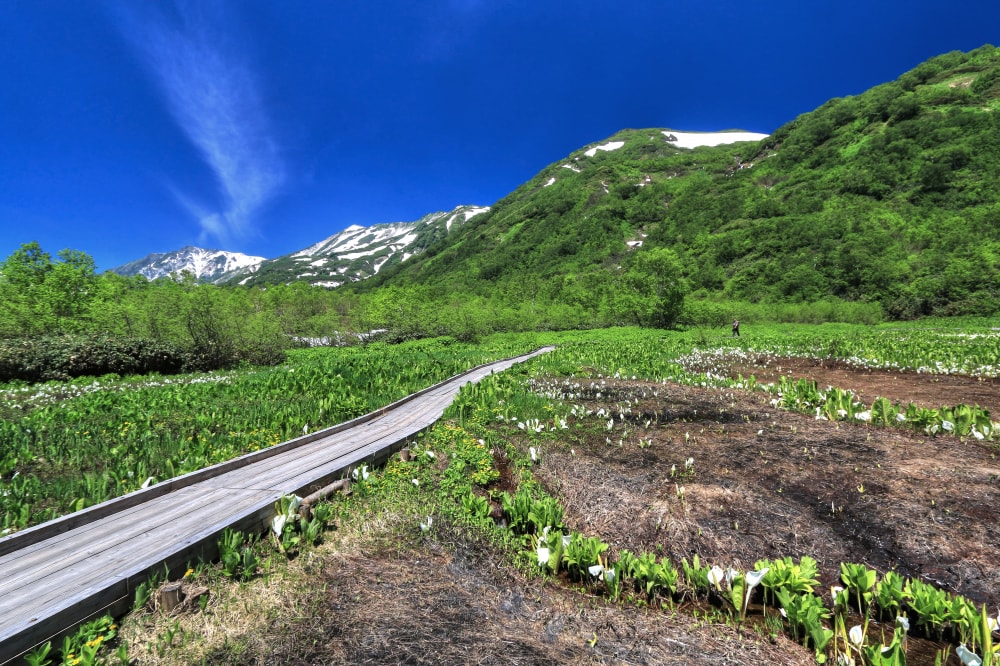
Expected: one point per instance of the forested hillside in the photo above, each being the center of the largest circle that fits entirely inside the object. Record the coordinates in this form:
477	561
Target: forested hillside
890	197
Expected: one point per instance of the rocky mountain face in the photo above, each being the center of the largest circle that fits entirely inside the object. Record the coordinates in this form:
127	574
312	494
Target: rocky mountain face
356	253
204	265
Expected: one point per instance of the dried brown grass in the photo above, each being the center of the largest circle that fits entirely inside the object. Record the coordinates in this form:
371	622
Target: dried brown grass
393	596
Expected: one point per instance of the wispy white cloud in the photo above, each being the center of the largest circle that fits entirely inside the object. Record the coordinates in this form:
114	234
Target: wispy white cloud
213	96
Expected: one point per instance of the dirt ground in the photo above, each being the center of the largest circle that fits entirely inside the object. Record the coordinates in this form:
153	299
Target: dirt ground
444	598
445	608
764	483
925	390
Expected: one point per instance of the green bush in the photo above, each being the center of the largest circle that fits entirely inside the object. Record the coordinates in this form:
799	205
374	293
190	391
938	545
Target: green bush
63	357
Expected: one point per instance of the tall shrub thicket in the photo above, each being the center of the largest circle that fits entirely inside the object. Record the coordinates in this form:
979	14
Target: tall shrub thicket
59	319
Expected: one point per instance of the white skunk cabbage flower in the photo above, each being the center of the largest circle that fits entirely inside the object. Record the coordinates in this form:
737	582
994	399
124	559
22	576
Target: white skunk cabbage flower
903	622
968	657
291	509
543	556
993	622
947	426
857	635
148	482
415	482
430	454
753	578
715	576
361	472
278	524
427	526
533	452
838	595
595	570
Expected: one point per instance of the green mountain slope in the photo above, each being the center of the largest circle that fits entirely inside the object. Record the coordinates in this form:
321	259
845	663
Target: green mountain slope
891	196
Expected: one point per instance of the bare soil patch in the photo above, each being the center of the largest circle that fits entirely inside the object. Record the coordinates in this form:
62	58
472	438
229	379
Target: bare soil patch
925	390
437	605
768	483
445	598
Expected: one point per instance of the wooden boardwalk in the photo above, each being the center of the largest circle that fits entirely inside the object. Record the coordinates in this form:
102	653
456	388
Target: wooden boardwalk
56	575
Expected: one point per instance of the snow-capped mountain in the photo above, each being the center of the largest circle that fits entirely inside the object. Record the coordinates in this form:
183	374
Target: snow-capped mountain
356	253
205	265
351	255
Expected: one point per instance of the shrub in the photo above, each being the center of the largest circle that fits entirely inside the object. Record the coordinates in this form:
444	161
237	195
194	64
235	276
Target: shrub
62	357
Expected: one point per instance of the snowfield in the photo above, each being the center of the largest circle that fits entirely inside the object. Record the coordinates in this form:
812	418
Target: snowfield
697	139
610	145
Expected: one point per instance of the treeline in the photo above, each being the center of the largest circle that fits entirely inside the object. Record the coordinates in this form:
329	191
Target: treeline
60	319
56	312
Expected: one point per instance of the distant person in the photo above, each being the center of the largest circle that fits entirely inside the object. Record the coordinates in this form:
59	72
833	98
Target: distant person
736	328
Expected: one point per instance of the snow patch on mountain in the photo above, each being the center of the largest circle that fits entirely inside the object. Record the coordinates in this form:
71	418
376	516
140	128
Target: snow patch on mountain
203	264
466	213
358	252
609	146
697	139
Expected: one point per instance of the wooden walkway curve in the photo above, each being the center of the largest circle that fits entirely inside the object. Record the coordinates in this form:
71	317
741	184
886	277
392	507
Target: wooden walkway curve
56	575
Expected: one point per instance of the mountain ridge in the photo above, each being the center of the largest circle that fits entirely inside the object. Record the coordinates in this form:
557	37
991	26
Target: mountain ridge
202	263
888	198
352	254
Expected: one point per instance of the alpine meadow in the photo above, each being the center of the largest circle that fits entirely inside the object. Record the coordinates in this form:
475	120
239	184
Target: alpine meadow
663	486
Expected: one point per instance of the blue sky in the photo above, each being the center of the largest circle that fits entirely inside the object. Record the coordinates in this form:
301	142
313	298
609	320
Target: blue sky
129	127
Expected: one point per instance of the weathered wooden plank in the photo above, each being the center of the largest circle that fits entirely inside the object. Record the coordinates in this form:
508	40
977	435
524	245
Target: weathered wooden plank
78	602
60	579
86	540
61	573
54	527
